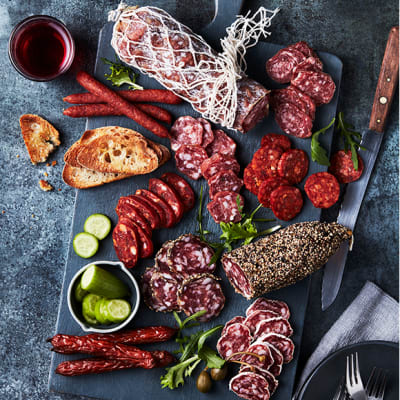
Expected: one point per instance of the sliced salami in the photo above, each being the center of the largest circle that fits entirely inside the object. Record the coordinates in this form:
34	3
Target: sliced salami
307	100
163	190
156	207
165	289
256	317
236	339
219	162
267	187
293	165
286	95
261	349
280	66
280	307
265	162
221	144
342	167
235	320
276	367
316	84
286	202
277	325
201	292
251	182
224	181
304	48
126	244
272	381
183	188
161	258
145	243
146	289
126	210
322	189
250	386
309	64
186	131
208	134
293	121
276	139
225	207
189	160
282	343
237	278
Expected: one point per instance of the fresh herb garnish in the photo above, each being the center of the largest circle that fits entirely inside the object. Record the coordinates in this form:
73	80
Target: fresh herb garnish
318	153
121	74
351	139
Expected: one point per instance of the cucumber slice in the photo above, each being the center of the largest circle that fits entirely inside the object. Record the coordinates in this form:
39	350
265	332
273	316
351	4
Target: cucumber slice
98	225
79	293
100	312
101	282
85	245
89	320
89	304
117	310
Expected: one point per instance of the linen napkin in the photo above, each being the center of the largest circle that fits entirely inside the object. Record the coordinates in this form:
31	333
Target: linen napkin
373	315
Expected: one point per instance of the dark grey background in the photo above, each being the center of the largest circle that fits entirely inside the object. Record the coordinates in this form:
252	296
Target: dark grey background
35	226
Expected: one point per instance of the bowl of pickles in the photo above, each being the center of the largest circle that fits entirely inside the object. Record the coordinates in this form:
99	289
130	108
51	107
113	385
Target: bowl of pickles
103	297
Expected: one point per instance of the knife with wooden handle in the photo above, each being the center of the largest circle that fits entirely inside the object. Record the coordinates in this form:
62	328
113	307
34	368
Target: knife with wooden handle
385	90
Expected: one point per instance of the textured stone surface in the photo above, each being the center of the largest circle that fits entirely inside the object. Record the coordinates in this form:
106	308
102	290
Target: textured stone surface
34	229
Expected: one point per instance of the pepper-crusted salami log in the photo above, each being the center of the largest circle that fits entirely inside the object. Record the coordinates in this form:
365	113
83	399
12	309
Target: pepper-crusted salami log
250	386
126	244
145	243
126	210
276	139
224	181
272	381
282	343
293	121
256	317
186	131
342	167
273	325
265	162
221	144
151	40
267	187
322	189
278	261
236	339
184	190
286	202
235	320
165	289
293	165
219	162
189	160
280	307
225	208
280	66
201	292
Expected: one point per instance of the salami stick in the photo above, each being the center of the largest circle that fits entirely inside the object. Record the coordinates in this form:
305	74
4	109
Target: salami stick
120	104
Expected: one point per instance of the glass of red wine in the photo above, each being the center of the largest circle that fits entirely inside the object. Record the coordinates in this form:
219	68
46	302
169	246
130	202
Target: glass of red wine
41	48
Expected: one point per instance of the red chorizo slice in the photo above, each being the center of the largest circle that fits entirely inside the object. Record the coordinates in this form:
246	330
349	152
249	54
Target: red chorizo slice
260	315
148	213
293	165
272	381
236	339
146	247
265	162
250	386
276	139
267	187
278	306
222	144
156	207
186	131
165	289
126	244
280	66
277	325
251	182
293	121
124	209
226	207
182	187
322	189
219	162
189	160
235	320
282	343
261	349
286	202
208	134
342	167
224	181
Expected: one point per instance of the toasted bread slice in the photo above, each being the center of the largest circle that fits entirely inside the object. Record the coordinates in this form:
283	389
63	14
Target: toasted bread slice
40	137
166	155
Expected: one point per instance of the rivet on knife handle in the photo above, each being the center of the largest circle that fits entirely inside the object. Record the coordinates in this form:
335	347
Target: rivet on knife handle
387	83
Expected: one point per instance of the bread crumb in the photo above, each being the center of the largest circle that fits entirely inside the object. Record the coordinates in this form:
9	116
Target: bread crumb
33	215
48	164
59	189
54	163
45	173
45	186
17	155
3	212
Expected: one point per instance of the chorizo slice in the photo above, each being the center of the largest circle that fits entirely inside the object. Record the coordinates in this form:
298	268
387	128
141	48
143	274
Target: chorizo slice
322	189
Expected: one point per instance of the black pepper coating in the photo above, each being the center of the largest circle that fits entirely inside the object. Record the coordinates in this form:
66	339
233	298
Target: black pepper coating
285	257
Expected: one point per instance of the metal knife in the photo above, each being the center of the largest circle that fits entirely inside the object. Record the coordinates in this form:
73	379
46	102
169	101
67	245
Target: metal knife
387	83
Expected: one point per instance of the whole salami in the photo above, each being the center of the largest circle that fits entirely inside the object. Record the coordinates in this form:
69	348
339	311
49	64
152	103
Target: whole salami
236	339
322	189
250	386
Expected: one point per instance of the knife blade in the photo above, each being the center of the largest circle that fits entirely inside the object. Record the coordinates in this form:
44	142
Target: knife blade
371	140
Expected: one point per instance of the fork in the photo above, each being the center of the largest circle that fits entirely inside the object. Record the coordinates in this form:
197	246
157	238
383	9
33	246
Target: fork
340	392
376	390
354	384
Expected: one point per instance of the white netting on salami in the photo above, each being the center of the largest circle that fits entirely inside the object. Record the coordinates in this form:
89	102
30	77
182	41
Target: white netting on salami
149	39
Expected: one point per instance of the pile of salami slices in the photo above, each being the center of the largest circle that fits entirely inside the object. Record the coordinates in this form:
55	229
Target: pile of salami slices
309	87
182	280
161	206
261	341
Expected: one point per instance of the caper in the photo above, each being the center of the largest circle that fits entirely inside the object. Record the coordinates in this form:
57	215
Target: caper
219	373
204	382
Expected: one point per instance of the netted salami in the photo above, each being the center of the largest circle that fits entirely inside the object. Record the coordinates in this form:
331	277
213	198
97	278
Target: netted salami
219	162
224	181
184	190
293	121
126	244
256	317
267	187
282	343
221	144
201	292
226	207
186	130
165	289
251	182
265	162
208	134
272	381
236	339
276	325
342	167
261	356
280	307
286	202
322	189
293	165
276	139
189	159
280	66
235	320
250	386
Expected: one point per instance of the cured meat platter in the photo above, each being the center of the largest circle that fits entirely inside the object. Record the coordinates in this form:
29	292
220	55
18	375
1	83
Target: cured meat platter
145	384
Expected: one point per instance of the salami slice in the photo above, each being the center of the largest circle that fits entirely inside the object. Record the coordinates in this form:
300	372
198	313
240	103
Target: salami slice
224	181
201	292
126	244
221	144
165	289
272	381
304	48
237	278
261	349
293	121
161	258
168	194
256	317
146	289
251	182
156	207
342	167
235	320
322	189
280	307
293	165
250	386
282	343
128	211
276	325
183	188
208	134
225	207
145	243
265	162
236	339
189	160
307	100
280	66
267	187
276	367
186	131
309	64
276	139
286	202
219	162
188	255
284	96
316	84
168	218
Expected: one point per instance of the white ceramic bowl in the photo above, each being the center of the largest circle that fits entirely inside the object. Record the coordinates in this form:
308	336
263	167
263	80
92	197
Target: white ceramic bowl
120	271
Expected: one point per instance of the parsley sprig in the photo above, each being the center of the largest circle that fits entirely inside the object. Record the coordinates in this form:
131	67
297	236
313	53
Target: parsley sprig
318	153
121	74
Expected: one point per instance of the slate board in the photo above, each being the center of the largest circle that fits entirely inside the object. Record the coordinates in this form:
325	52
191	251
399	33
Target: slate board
144	384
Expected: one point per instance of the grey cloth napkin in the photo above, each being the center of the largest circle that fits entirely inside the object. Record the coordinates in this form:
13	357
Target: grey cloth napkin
373	315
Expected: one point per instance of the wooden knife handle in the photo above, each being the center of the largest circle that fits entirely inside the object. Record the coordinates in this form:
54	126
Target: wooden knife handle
387	83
